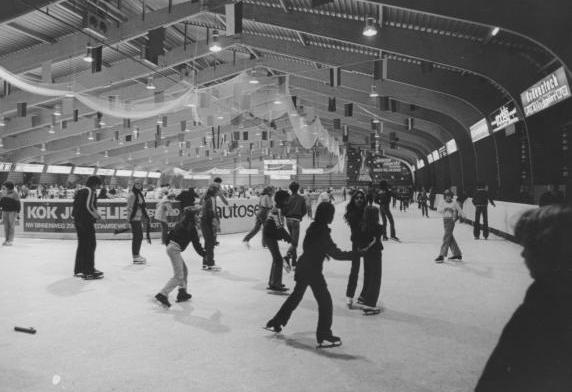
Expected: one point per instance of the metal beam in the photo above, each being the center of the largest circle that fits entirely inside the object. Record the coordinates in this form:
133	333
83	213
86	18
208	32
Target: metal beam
12	9
33	34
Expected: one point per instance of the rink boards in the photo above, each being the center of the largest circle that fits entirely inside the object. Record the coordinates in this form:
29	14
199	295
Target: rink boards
52	218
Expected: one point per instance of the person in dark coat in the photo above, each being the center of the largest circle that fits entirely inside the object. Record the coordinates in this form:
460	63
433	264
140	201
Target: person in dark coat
383	198
274	231
178	239
187	198
371	232
534	352
295	211
209	224
85	215
481	200
318	245
353	217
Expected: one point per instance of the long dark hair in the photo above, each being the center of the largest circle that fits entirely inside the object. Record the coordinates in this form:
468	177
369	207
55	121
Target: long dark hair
324	213
353	213
370	218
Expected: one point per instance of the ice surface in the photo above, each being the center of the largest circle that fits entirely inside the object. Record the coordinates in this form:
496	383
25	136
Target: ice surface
440	323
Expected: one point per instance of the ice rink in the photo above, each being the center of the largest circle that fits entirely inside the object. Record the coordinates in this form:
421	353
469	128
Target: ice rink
440	323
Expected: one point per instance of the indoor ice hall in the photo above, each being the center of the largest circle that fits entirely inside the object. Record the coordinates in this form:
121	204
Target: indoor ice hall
278	195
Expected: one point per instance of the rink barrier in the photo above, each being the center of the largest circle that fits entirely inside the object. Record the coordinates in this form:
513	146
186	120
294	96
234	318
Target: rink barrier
51	219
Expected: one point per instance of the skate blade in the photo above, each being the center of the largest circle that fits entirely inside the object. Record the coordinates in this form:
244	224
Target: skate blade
328	345
274	292
371	312
270	329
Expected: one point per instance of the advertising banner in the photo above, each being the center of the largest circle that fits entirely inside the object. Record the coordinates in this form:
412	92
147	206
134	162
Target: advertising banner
479	130
547	92
503	116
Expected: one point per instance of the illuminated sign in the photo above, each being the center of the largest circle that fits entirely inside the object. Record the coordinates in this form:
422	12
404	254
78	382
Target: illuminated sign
83	170
420	164
313	171
279	176
479	130
430	158
59	169
547	92
105	172
442	151
5	166
220	171
201	177
154	175
451	146
139	174
503	116
123	173
280	167
248	171
435	155
29	168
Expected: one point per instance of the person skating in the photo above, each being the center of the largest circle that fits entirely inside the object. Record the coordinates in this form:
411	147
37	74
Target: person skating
481	200
372	231
274	231
383	198
534	352
317	246
307	197
10	206
209	225
136	213
422	200
162	211
295	211
187	199
178	239
451	213
84	213
265	203
354	217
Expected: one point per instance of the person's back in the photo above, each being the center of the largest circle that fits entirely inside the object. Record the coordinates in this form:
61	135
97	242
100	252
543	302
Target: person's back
296	207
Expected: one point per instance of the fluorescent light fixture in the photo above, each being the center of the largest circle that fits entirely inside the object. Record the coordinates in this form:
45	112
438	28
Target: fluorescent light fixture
375	121
150	85
51	130
88	58
495	31
277	102
215	46
373	92
2	144
370	28
77	151
57	110
43	147
90	136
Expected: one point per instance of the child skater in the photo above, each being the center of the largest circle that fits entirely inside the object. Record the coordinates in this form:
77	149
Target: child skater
451	212
274	231
177	241
317	246
371	260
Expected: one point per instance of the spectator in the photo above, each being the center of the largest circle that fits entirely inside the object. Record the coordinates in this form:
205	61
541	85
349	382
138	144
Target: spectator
481	200
10	205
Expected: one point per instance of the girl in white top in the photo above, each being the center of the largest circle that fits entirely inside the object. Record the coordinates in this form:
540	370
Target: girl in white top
451	212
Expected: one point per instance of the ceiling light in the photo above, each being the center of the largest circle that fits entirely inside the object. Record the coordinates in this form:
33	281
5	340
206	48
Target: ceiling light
145	146
370	28
1	143
253	81
90	136
106	155
77	151
159	121
277	102
220	117
150	85
373	92
43	147
51	130
215	46
69	95
191	105
375	121
88	58
2	122
57	110
495	31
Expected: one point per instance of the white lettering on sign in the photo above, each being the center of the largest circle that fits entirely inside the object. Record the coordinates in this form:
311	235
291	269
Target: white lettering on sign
41	212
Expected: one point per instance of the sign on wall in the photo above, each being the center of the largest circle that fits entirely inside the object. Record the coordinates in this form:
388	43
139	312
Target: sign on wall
280	166
5	166
29	168
503	116
547	92
451	146
479	130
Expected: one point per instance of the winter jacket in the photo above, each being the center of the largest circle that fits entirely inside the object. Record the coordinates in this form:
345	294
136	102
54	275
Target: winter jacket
482	198
274	226
10	202
185	232
296	207
318	245
162	210
384	197
450	209
422	197
534	352
187	198
136	207
85	206
374	233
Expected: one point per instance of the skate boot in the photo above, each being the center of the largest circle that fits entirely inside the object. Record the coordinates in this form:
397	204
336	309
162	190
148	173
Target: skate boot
273	326
183	296
164	300
370	310
331	341
286	263
349	302
439	259
138	259
246	244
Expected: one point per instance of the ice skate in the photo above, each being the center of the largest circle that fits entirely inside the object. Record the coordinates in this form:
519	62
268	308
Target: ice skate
371	310
349	302
212	268
331	341
139	259
92	276
456	258
273	326
439	259
164	300
183	296
246	244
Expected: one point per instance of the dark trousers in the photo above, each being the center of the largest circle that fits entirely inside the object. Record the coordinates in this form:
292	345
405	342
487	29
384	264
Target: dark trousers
481	210
275	279
164	232
85	253
385	216
137	233
322	295
210	238
354	273
255	230
424	209
294	229
371	276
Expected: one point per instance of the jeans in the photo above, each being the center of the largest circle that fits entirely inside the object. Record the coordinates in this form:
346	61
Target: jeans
481	210
137	233
85	253
448	239
257	225
385	215
293	225
424	209
9	219
322	295
354	273
275	279
180	271
208	230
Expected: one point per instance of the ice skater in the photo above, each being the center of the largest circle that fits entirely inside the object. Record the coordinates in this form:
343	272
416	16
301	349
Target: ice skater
209	223
372	267
162	211
137	212
353	217
178	239
317	246
265	203
422	201
451	212
274	231
295	211
10	206
383	198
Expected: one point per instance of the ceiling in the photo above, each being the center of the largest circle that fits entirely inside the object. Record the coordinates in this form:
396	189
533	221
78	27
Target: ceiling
445	69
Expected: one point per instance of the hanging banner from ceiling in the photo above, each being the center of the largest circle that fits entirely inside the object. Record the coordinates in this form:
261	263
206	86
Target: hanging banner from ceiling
503	116
547	92
479	130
